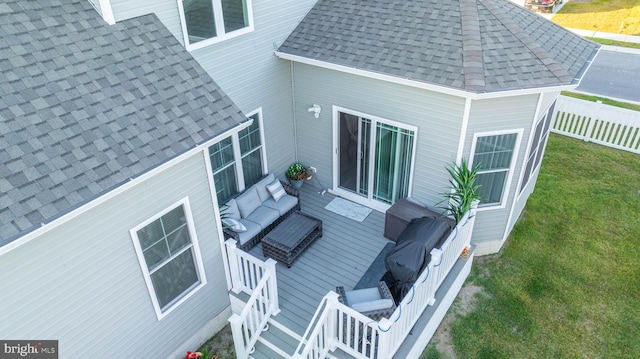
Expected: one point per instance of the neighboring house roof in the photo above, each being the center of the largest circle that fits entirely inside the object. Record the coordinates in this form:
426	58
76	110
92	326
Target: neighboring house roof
85	107
472	45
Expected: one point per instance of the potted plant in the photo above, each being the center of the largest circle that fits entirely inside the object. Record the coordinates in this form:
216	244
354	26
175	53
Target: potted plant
296	174
463	191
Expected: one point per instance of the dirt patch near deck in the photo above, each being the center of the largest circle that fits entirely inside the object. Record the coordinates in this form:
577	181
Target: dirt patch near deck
221	344
463	305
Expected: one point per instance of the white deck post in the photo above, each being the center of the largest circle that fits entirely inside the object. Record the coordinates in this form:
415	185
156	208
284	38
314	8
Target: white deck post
273	286
384	337
233	265
435	280
238	340
332	322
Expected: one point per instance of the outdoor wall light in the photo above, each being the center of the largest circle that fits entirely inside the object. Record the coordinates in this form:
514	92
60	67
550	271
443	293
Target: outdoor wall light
316	110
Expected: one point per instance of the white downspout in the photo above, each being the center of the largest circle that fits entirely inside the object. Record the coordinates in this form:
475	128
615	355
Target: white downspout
293	109
463	129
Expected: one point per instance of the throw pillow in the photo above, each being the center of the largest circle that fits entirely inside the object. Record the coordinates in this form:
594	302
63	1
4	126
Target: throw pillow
234	225
232	210
276	190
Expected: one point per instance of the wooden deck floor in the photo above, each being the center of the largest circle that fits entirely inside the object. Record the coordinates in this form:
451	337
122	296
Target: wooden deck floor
345	251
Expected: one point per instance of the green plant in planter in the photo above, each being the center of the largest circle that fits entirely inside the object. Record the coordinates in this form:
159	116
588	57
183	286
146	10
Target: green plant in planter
463	190
296	172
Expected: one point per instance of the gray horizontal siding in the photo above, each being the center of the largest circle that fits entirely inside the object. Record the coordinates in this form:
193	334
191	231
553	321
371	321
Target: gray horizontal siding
245	67
437	116
81	283
510	113
547	99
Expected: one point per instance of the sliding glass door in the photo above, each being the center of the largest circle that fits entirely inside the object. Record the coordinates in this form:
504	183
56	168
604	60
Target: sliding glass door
374	157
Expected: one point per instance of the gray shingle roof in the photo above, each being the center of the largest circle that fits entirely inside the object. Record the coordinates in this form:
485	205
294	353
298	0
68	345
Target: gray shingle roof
471	45
85	106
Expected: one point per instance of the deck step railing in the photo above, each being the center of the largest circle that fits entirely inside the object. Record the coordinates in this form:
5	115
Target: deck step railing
336	326
258	279
317	339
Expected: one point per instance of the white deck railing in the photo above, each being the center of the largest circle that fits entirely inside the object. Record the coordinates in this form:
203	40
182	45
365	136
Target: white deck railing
591	121
362	337
423	292
316	343
258	279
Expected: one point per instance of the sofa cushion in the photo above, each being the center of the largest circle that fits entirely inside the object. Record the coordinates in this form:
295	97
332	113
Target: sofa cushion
276	190
234	225
232	210
252	230
283	205
362	295
372	305
248	202
263	216
261	187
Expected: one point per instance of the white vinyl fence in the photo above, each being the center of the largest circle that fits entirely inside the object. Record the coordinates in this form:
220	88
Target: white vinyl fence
595	122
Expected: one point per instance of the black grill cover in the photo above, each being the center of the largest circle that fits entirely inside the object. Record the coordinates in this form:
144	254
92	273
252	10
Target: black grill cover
411	253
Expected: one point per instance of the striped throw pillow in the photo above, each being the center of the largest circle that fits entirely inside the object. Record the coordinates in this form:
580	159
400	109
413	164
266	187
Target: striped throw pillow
276	190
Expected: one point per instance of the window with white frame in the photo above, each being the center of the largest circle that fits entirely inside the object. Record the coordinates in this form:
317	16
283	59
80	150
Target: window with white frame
494	154
169	256
208	21
238	161
538	143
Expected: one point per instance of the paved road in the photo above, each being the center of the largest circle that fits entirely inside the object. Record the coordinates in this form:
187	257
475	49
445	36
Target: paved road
615	75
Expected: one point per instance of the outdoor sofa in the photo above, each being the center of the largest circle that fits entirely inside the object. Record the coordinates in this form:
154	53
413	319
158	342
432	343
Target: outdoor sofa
251	214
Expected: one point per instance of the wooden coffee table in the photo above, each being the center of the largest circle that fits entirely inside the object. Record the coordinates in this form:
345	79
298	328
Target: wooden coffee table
291	237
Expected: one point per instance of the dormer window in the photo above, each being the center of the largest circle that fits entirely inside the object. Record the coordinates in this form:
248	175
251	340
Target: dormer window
205	22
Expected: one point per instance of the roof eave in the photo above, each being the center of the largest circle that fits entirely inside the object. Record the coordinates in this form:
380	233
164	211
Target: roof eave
424	85
583	70
27	235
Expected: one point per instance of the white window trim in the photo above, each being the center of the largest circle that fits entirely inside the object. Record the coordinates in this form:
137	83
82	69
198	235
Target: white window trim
237	155
507	186
222	36
371	203
196	255
535	169
263	147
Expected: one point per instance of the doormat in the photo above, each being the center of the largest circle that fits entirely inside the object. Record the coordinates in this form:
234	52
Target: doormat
348	209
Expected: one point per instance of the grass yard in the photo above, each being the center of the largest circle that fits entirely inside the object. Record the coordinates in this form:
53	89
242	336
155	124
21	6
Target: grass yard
614	16
610	42
567	282
604	100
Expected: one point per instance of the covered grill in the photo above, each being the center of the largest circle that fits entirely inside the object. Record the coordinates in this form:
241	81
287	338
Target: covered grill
412	252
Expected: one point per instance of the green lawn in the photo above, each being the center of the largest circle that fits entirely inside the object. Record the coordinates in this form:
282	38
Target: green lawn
604	100
614	16
632	45
567	282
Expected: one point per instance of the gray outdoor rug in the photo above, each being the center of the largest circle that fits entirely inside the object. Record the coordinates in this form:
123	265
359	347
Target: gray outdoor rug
348	209
376	271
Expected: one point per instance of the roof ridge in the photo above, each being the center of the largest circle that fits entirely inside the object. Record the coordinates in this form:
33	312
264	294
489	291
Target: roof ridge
472	59
538	51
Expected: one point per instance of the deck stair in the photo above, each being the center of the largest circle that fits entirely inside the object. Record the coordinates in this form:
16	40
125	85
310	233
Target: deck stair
276	342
